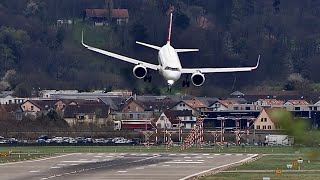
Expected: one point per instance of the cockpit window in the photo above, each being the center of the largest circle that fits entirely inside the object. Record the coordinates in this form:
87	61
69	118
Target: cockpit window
172	69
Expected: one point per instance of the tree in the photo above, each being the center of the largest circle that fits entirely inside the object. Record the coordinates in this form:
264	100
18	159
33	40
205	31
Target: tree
182	21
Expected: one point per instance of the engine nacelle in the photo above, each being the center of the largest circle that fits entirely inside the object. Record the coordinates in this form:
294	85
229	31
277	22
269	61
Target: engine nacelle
140	71
197	79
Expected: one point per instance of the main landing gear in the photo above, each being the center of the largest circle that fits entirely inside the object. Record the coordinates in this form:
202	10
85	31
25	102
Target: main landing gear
169	89
186	82
147	78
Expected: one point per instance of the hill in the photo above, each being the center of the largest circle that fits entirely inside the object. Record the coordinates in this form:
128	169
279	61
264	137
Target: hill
228	33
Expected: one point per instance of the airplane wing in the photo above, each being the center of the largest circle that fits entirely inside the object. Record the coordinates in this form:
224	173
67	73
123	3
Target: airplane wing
117	56
217	70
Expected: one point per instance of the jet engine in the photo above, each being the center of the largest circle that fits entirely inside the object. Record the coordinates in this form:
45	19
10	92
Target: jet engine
197	79
140	71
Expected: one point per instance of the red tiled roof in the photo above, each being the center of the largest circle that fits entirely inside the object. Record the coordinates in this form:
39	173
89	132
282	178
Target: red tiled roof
272	101
119	13
227	102
298	102
194	103
96	13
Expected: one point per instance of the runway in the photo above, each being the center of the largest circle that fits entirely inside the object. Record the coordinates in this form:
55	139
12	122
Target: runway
121	166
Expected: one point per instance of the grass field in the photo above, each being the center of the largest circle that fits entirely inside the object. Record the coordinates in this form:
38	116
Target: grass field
266	166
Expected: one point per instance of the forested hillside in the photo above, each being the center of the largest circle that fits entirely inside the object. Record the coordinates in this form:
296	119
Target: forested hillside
36	53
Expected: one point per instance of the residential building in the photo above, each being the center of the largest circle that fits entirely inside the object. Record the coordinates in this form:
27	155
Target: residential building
297	105
174	119
266	120
87	113
222	105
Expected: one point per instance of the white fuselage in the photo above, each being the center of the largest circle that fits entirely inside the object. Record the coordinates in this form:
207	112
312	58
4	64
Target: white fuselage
170	66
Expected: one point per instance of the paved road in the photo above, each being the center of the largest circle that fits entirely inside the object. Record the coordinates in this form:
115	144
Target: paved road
84	166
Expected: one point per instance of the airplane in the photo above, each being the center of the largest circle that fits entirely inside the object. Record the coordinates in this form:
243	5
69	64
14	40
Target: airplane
169	63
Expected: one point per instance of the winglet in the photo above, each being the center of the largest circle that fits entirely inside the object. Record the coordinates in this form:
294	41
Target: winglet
82	41
257	62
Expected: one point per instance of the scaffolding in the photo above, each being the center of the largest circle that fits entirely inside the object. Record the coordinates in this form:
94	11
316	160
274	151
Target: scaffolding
195	136
238	133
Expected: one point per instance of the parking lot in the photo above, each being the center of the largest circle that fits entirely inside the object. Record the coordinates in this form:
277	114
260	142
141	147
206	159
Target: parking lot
45	140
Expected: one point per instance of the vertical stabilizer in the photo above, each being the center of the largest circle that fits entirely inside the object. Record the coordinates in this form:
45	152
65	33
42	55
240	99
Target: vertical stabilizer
170	28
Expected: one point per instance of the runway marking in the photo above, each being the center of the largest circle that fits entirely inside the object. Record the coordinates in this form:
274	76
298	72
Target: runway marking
216	154
140	168
226	165
189	160
198	157
97	156
144	154
228	154
166	165
209	157
205	154
183	162
108	156
37	160
122	171
99	167
78	161
239	154
55	167
187	157
183	154
44	178
172	154
100	154
152	165
194	154
83	159
34	171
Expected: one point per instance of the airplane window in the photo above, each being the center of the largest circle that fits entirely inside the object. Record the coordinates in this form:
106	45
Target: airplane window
172	69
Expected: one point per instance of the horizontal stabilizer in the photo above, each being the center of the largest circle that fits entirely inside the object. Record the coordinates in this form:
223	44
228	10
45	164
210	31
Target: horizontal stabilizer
149	45
186	50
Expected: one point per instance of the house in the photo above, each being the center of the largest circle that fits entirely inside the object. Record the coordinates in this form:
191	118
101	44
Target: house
266	121
14	110
133	106
86	113
196	104
6	97
243	107
174	119
120	16
222	105
182	105
102	17
37	107
269	103
297	105
237	94
114	102
98	16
